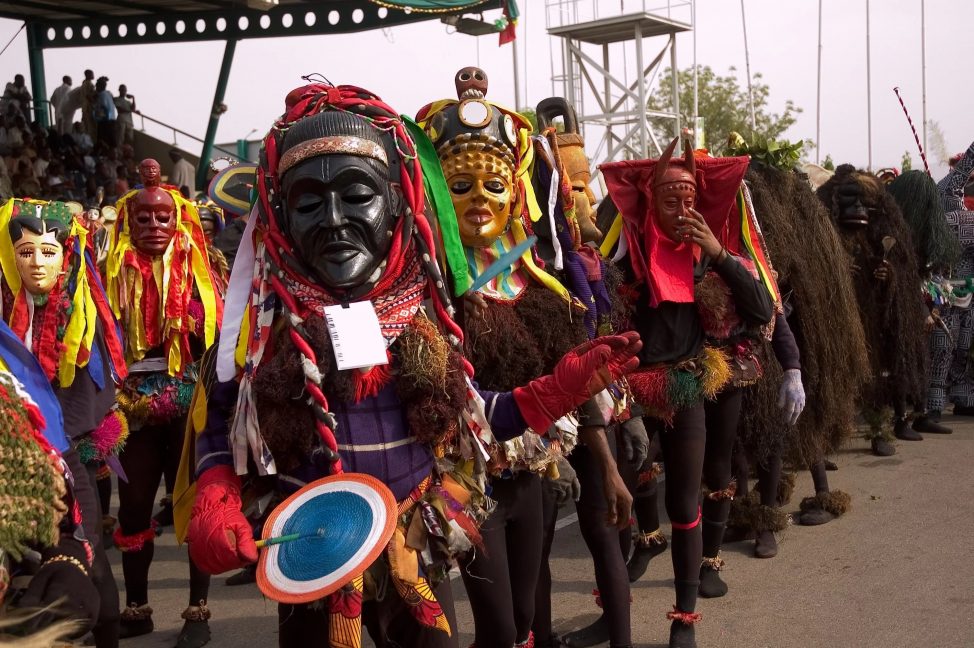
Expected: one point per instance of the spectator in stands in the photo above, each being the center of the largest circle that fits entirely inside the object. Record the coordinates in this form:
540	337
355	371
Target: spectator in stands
57	183
15	158
17	95
59	100
42	162
124	127
6	187
105	113
30	148
15	133
88	104
25	183
183	173
130	163
81	138
122	181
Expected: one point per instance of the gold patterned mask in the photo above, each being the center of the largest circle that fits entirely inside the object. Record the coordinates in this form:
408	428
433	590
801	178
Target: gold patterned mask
39	261
481	186
571	146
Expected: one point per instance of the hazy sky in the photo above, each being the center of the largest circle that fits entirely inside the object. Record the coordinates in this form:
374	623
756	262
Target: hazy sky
412	65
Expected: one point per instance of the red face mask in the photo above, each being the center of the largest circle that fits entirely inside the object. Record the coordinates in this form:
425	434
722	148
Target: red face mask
152	223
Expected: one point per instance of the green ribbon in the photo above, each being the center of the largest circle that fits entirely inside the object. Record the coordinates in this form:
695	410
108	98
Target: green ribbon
440	208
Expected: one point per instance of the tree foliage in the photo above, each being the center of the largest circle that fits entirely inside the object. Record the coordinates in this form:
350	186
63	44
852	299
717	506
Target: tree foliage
723	103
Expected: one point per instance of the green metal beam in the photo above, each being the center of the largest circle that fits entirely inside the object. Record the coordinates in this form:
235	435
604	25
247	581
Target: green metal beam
221	90
55	6
238	23
38	84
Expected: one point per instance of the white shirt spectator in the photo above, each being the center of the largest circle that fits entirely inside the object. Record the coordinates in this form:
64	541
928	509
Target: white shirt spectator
59	100
40	167
183	175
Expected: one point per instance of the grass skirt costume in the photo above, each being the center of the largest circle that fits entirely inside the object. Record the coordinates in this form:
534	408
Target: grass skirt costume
890	311
818	301
170	311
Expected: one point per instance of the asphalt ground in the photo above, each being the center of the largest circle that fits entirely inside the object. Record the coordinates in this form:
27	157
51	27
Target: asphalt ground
897	570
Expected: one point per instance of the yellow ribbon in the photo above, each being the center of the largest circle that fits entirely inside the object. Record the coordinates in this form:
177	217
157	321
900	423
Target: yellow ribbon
612	237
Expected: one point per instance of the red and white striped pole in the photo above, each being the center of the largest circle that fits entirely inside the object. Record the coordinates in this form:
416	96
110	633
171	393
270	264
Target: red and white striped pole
923	156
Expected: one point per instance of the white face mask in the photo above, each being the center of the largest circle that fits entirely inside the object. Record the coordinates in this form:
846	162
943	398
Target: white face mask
39	260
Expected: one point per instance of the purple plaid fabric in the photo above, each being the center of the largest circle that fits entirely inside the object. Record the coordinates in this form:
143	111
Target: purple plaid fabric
372	437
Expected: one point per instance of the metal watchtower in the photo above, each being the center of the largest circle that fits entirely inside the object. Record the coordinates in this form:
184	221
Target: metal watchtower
620	109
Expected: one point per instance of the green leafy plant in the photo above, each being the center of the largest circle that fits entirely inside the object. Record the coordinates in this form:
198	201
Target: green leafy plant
779	154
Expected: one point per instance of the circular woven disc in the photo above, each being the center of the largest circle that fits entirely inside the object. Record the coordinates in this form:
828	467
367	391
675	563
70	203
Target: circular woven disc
349	519
230	188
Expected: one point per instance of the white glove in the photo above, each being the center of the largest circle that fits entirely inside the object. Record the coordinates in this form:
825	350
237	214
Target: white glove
791	395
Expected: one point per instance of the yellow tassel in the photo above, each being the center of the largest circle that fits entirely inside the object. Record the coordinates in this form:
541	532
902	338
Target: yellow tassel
80	322
8	258
716	372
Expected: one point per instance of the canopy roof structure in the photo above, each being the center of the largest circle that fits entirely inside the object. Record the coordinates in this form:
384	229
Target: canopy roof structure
85	23
90	23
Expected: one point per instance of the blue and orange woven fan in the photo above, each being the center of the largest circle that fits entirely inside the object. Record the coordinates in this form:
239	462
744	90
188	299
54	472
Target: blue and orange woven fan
324	535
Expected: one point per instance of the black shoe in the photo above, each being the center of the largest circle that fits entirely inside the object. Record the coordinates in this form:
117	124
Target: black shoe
194	634
135	621
903	432
815	517
962	410
930	423
196	629
766	546
711	585
245	576
682	635
591	635
641	556
882	447
830	465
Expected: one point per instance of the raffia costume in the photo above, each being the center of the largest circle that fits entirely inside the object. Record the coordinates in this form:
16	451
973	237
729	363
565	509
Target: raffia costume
807	253
418	423
877	238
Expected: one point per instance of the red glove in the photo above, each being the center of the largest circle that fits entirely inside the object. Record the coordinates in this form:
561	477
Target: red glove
220	537
582	373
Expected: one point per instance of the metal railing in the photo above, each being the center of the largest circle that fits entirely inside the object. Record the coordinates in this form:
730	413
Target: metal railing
559	13
175	130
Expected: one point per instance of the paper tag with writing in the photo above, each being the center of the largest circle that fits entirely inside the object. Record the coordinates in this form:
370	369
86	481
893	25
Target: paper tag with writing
356	337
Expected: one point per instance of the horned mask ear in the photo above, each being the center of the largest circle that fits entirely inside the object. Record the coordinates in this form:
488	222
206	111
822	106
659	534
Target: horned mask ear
688	159
663	163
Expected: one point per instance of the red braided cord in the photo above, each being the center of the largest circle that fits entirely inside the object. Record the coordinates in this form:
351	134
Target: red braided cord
686	618
923	156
